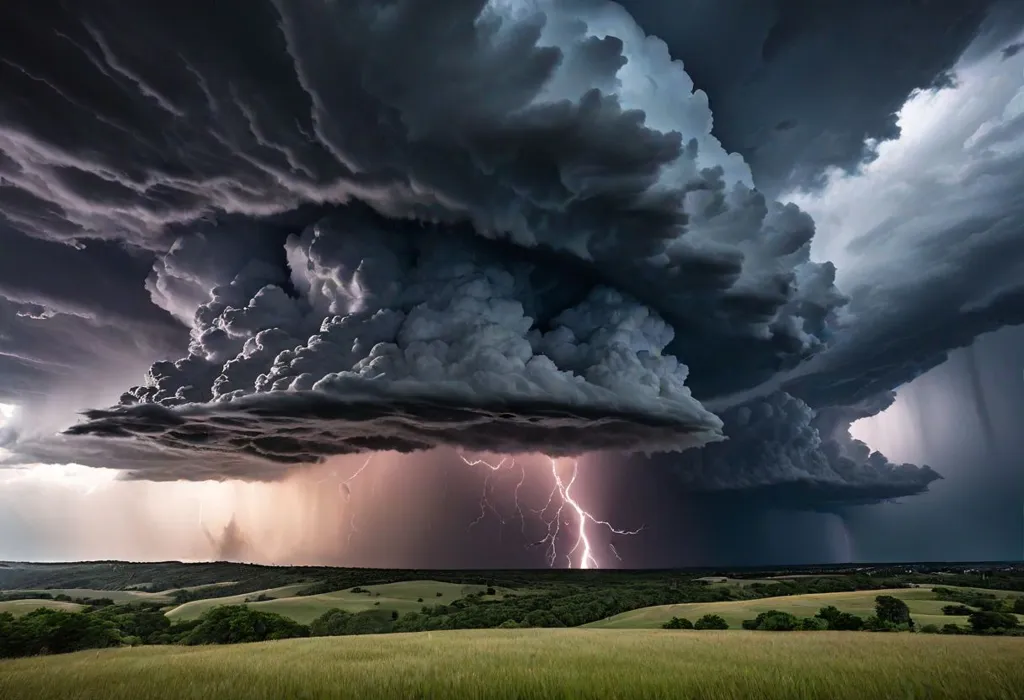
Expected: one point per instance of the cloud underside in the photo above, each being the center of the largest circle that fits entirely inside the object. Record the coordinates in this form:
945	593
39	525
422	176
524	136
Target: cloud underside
304	427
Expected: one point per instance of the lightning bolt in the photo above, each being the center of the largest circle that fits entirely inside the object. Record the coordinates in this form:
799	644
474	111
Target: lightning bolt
552	515
346	493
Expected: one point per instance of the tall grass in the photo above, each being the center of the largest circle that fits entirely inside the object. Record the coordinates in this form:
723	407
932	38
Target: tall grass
535	664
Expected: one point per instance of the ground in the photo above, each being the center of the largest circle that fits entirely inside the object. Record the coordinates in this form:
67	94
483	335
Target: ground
195	608
20	607
116	596
540	663
924	608
404	597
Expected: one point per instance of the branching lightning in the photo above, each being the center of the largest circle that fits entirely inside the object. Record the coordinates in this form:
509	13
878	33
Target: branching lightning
552	515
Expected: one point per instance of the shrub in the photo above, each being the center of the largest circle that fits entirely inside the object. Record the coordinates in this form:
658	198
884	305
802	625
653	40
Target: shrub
711	622
838	620
930	629
985	620
678	623
956	610
813	624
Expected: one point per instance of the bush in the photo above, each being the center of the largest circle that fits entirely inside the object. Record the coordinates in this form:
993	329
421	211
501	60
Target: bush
956	610
985	620
838	620
678	623
893	611
813	624
953	629
490	590
509	625
711	622
773	621
235	624
930	629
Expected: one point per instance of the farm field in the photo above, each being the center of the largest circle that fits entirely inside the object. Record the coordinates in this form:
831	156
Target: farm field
540	663
924	608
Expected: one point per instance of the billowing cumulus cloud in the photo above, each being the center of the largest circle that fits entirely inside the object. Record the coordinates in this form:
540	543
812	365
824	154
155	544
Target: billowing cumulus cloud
503	227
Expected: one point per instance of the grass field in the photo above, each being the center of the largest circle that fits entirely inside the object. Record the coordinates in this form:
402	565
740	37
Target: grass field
535	664
116	596
20	607
195	608
403	597
921	601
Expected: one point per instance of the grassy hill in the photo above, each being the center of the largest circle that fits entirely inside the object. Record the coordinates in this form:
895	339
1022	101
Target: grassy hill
523	664
195	608
20	607
924	608
403	597
116	596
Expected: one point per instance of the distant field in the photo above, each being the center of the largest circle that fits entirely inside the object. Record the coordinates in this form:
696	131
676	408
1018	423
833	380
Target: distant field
403	597
535	664
195	608
116	596
921	601
21	607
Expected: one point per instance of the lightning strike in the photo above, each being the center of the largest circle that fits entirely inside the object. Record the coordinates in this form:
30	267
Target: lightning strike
560	499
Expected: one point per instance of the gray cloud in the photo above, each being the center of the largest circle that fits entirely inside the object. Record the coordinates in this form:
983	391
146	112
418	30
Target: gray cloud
555	225
789	99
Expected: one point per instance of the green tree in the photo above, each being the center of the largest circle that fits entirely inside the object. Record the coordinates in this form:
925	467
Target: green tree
813	624
235	624
838	620
892	610
956	610
986	620
1018	605
332	623
711	622
678	623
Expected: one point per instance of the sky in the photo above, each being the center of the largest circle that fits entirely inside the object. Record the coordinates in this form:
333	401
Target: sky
512	283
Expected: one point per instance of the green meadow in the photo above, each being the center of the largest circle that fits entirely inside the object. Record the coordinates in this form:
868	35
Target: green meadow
540	663
402	597
924	608
20	607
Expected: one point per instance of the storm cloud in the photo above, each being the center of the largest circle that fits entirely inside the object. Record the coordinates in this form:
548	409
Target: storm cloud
500	226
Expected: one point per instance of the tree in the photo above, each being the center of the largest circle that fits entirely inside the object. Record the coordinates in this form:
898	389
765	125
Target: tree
678	623
838	620
985	620
892	610
331	624
711	622
956	610
235	624
1018	606
813	624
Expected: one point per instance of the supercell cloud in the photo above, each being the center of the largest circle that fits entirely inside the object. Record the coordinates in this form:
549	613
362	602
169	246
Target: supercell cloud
400	225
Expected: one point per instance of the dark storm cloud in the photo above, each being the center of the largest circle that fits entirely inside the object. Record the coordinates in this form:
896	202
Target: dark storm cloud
613	235
799	85
781	451
555	154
